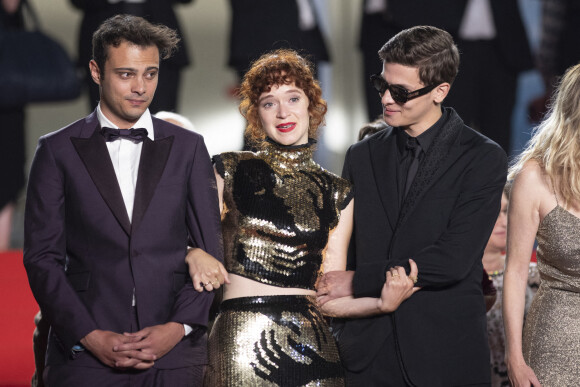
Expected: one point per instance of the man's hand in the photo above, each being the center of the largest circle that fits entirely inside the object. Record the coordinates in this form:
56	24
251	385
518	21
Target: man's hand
155	341
334	284
101	344
205	271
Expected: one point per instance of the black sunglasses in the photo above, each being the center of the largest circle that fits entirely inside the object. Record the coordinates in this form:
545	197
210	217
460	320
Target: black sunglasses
398	93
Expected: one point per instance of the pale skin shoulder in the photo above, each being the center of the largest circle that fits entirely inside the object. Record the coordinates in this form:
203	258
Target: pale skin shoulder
532	198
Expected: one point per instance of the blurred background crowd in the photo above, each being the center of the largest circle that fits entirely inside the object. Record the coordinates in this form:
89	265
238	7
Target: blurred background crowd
512	52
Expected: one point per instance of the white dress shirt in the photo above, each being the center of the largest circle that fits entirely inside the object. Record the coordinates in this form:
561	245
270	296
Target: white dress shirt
125	155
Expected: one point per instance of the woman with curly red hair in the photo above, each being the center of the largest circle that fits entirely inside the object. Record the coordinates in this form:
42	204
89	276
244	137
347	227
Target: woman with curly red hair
285	220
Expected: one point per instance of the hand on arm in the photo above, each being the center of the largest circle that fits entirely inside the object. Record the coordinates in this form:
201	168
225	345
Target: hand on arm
333	285
102	343
396	289
153	341
523	222
206	272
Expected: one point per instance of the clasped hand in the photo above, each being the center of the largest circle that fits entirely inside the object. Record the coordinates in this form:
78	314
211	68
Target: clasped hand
137	350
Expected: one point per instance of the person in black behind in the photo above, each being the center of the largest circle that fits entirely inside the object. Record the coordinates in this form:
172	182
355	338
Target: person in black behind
12	155
155	11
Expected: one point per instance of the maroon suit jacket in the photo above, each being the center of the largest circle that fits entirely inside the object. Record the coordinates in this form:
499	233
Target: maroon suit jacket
84	257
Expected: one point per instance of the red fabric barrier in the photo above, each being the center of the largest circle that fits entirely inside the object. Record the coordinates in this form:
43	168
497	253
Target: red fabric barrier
17	311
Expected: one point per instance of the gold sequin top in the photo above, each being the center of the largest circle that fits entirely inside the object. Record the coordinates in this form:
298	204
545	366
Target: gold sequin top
279	206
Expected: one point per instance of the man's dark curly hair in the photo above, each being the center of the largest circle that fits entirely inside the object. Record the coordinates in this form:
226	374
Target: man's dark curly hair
135	30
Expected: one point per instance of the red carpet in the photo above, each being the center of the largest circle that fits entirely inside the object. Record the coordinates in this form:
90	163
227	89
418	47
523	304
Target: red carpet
17	312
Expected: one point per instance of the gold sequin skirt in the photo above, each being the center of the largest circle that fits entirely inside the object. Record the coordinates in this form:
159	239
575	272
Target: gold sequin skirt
272	341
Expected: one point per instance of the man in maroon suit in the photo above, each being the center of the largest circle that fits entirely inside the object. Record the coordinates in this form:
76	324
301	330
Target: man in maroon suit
110	212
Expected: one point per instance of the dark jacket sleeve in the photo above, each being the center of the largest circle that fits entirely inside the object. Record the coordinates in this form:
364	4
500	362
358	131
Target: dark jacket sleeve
452	256
203	222
45	250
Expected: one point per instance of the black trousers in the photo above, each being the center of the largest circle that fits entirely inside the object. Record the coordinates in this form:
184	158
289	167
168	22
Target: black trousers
384	371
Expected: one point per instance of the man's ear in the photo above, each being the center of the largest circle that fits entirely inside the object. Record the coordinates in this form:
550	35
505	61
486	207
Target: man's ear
95	72
441	92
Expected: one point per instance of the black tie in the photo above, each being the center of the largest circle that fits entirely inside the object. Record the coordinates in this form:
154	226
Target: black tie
112	134
413	147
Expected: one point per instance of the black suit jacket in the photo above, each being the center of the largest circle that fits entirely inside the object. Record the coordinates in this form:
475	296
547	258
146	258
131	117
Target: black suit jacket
84	257
443	224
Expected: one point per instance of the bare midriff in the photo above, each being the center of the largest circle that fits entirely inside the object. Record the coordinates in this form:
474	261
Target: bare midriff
244	287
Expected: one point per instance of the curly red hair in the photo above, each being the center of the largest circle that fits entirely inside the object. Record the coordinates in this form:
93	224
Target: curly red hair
279	67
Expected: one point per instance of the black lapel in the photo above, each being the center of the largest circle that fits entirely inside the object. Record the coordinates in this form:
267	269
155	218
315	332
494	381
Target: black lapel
439	157
154	155
95	156
383	153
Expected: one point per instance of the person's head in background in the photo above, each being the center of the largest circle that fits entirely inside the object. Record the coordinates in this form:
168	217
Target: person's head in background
371	128
498	238
176	119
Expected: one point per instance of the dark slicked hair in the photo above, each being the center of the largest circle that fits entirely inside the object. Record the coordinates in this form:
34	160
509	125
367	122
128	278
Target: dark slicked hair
428	48
135	30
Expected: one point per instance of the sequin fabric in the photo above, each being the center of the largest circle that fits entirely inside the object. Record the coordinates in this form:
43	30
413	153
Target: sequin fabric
272	341
279	206
551	339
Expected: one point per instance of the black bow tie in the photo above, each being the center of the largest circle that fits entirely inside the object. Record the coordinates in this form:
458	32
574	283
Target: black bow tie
112	134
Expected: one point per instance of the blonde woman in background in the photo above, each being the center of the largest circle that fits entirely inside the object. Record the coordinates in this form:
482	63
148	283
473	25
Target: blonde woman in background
545	205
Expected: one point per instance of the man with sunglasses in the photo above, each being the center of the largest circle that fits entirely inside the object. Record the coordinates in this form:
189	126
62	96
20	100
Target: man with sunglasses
427	188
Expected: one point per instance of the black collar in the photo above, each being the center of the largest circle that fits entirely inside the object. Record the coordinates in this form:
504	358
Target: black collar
425	139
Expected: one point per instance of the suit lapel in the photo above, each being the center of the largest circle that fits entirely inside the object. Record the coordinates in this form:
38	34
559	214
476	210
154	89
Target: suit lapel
154	155
383	153
441	154
95	156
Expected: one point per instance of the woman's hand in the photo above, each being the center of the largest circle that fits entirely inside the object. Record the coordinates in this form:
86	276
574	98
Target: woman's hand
206	272
521	375
398	287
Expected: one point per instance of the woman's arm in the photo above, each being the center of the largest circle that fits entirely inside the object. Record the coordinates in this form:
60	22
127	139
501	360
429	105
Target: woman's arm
206	272
397	288
523	222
